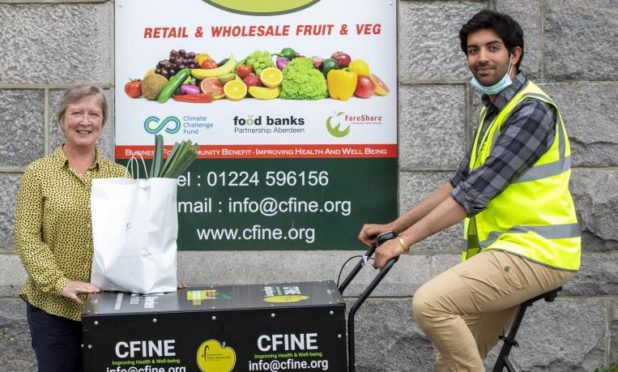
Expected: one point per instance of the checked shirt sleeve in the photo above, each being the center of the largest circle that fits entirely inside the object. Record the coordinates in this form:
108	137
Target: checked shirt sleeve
524	138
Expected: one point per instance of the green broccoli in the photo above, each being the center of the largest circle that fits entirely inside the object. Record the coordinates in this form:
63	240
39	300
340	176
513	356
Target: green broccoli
301	80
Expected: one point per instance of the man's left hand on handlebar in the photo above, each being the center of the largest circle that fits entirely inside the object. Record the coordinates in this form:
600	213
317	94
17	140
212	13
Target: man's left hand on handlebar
388	250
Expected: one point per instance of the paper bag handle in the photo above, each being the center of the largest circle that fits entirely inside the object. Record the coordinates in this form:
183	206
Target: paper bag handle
131	166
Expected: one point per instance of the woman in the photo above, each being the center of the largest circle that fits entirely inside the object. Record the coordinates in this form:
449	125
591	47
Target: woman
53	232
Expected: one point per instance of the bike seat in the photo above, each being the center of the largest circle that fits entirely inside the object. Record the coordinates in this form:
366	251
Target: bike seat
549	296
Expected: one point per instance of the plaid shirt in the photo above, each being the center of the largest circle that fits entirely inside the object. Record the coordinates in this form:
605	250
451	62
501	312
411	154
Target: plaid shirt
525	136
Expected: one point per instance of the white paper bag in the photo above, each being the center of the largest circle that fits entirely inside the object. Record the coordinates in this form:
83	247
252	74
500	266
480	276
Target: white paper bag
134	230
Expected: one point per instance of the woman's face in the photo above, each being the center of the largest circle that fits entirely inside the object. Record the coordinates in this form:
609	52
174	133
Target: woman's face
82	123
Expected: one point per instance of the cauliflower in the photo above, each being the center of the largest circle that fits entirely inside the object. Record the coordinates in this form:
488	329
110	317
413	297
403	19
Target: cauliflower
301	80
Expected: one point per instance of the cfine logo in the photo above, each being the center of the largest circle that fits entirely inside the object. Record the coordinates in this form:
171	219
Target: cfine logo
154	125
333	125
262	7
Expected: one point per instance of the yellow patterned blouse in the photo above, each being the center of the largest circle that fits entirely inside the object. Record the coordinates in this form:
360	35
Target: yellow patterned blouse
53	232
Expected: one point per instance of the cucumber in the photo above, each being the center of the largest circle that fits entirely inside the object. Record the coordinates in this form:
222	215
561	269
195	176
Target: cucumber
173	84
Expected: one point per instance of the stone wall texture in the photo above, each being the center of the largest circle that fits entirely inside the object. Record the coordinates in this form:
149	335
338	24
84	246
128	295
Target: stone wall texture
571	50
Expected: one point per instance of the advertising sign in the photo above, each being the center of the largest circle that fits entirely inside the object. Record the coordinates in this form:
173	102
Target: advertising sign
273	327
293	104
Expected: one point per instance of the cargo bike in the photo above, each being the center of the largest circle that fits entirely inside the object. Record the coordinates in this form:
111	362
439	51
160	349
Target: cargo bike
299	326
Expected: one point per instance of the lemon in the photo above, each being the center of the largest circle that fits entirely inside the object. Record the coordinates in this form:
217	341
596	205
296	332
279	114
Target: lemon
235	90
271	77
360	67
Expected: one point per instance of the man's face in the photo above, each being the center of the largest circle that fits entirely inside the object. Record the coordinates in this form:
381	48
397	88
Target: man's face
488	57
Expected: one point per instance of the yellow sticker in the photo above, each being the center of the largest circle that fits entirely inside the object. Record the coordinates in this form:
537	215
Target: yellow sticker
285	299
214	357
262	7
198	296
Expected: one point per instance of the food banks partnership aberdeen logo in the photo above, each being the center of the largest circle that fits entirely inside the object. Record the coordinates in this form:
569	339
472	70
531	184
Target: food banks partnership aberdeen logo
261	7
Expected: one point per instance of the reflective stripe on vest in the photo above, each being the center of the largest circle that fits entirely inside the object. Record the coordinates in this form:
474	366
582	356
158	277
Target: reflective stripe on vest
534	216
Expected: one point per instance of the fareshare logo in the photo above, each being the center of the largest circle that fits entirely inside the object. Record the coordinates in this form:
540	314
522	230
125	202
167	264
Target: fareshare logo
262	7
154	125
333	125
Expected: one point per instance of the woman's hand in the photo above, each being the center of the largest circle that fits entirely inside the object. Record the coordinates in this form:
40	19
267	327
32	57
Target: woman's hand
73	288
388	250
370	231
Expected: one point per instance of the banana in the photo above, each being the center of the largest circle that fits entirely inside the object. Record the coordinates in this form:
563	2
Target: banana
264	92
228	67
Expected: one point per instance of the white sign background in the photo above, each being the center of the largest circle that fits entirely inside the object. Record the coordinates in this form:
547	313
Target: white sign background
135	55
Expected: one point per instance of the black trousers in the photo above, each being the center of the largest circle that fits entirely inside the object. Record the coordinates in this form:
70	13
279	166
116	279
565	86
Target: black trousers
56	341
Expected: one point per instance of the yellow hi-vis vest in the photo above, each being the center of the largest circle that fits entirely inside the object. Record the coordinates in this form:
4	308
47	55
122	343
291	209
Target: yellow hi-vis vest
534	216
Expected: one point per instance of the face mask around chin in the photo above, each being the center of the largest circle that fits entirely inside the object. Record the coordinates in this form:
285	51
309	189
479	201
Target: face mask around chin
496	88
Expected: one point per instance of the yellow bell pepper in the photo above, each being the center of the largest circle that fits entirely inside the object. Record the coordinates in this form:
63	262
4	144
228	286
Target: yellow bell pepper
341	83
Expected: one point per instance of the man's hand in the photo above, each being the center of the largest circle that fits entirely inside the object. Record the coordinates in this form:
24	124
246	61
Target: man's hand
73	288
388	250
370	231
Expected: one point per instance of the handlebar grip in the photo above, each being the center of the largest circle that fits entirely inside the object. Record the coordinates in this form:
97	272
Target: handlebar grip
388	235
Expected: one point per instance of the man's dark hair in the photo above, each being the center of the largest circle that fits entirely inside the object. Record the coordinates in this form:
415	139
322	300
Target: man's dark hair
506	27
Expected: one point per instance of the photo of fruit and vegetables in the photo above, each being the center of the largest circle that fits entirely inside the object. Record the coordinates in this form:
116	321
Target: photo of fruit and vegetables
191	77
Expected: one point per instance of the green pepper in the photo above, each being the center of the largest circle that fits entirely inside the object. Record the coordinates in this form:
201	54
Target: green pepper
288	53
329	64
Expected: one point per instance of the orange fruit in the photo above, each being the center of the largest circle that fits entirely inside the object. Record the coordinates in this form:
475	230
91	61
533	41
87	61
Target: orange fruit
381	87
235	90
271	77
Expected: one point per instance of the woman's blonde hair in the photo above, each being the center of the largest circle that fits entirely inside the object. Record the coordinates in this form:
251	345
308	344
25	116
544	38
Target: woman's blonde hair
78	92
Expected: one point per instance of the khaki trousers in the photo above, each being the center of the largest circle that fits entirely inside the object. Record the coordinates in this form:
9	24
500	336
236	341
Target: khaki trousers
466	308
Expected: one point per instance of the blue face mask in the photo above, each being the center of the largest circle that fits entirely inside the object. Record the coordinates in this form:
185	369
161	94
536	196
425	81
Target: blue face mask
496	88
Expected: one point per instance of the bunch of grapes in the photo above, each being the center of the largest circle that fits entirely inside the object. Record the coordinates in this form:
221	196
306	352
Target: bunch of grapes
259	60
177	60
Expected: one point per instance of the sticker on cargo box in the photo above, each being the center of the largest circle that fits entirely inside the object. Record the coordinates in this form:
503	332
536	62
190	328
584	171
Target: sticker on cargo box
286	299
206	294
212	356
283	294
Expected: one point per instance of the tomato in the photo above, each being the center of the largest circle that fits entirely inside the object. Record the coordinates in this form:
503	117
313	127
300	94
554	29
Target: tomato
209	64
133	88
213	87
243	71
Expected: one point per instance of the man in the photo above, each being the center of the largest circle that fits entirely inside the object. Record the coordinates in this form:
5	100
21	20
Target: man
512	193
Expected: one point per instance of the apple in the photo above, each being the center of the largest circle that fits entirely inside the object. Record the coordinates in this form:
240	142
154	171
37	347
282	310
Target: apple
364	87
343	59
252	80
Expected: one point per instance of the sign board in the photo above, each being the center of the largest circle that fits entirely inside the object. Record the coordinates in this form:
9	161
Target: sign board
302	170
